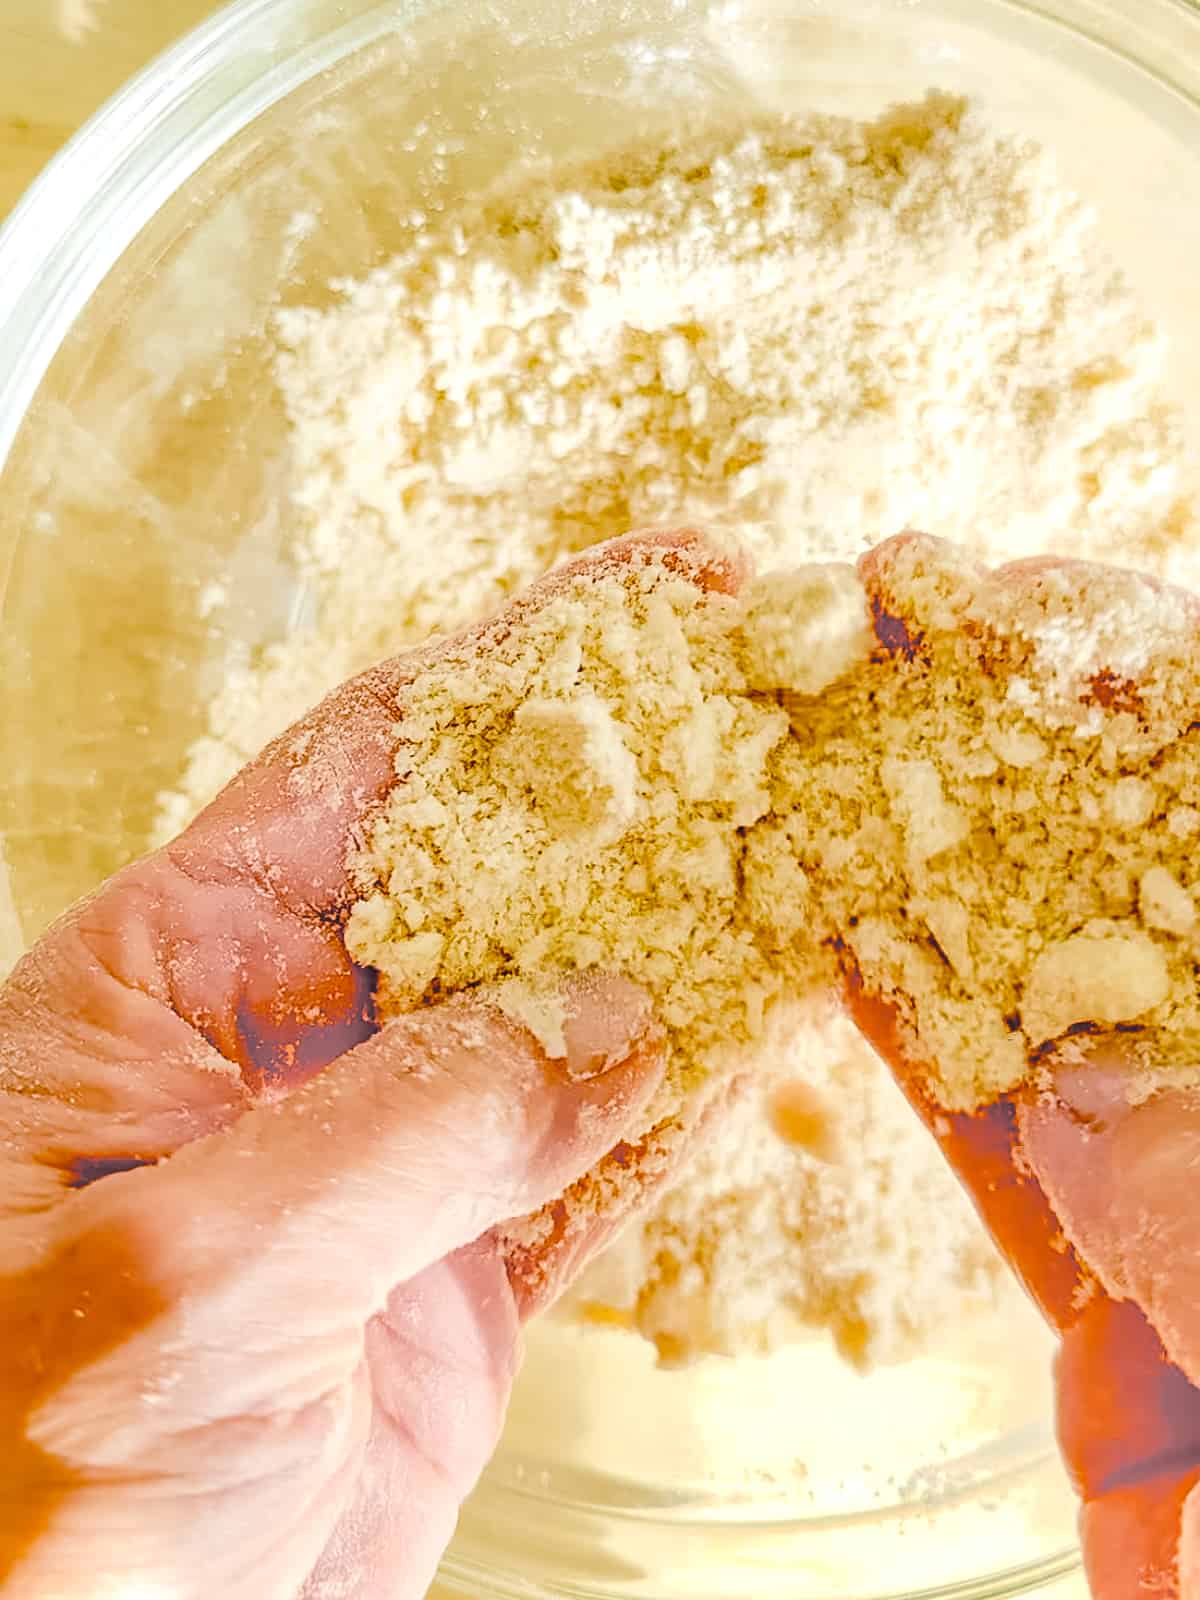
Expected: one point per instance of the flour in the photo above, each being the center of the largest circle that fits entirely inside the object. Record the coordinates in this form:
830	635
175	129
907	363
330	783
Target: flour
815	330
850	1227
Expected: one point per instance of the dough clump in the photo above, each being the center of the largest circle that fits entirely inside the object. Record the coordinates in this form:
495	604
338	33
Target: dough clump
580	791
969	793
994	818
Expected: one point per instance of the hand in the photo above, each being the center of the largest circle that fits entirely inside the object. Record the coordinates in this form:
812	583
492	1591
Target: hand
258	1334
1093	1201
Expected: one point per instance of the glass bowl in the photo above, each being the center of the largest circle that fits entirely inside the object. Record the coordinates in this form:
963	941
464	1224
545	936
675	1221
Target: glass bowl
146	556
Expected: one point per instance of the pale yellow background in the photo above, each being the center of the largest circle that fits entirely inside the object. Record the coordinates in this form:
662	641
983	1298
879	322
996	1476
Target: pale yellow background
49	84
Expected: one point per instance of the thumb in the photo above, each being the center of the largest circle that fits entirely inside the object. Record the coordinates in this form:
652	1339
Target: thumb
1119	1170
198	1331
445	1123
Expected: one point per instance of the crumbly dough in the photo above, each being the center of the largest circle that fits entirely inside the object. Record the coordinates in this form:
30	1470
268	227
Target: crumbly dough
992	821
819	331
931	818
616	839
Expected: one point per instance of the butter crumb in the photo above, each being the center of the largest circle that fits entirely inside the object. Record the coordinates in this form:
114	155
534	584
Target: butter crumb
408	965
805	629
594	782
1164	903
539	1008
930	824
1130	802
801	1116
1093	977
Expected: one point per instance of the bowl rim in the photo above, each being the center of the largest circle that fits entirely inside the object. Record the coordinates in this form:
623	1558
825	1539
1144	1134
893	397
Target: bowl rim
94	196
113	175
124	163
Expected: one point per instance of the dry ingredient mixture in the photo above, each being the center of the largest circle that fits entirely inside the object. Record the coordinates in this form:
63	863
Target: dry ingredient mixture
819	331
971	793
581	791
996	818
578	791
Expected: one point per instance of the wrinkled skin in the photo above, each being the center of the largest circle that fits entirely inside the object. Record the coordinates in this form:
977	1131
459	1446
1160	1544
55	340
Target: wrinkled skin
271	1359
1092	1200
258	1339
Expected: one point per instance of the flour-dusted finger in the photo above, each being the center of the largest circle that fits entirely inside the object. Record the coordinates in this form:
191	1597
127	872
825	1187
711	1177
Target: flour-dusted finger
202	1320
1121	1177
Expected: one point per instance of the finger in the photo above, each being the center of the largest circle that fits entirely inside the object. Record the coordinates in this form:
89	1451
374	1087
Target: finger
1125	1413
156	1013
234	1279
1129	1428
1121	1178
545	1252
442	1125
984	1151
443	1355
1128	1419
1032	572
1132	1541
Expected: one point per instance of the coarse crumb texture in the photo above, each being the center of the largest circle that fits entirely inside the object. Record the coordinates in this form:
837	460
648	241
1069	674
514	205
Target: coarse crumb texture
576	792
798	1213
818	330
995	819
971	791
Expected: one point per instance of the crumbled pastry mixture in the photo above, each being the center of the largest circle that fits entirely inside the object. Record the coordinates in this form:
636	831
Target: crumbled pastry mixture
815	330
995	821
819	331
977	805
579	791
811	1203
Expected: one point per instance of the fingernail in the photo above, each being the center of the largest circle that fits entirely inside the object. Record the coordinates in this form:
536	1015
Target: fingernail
603	1019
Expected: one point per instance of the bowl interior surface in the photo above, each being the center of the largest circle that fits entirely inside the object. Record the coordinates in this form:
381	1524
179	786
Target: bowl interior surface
147	542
